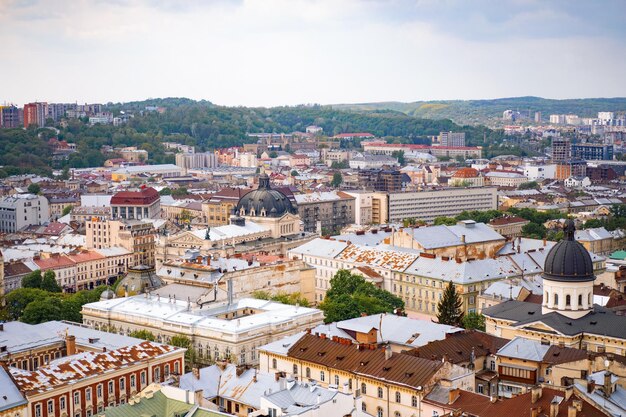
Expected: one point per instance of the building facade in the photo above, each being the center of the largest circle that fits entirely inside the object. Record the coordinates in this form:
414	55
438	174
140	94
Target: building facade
326	211
21	210
136	205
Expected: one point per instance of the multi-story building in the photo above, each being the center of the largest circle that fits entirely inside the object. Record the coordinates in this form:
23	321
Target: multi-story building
82	385
508	226
161	170
21	210
228	330
9	117
144	203
135	236
540	172
219	207
505	178
35	114
389	180
428	205
380	208
362	207
561	150
465	152
187	160
592	151
328	211
133	154
390	383
453	139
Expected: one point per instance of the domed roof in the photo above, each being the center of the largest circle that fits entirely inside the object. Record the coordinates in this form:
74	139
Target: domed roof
264	202
568	260
107	294
139	279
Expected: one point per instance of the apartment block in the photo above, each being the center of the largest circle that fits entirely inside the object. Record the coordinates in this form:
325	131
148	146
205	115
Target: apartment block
428	205
21	210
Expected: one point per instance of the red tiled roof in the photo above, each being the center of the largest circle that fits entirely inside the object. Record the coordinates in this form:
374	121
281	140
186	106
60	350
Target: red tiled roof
54	262
457	347
501	221
142	197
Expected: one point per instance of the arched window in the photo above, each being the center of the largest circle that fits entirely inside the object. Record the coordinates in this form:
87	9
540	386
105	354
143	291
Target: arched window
568	300
322	376
580	300
308	372
363	407
295	369
274	363
363	388
398	397
379	412
414	401
556	300
337	380
380	392
397	414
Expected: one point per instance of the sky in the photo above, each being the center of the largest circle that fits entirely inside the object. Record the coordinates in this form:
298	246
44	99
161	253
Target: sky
288	52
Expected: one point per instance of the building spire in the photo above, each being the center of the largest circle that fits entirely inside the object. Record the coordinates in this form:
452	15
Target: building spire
570	229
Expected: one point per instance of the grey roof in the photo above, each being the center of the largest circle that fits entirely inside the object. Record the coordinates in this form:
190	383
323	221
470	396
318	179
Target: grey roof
465	272
208	381
321	247
11	395
18	336
298	398
441	236
366	239
520	348
601	321
568	260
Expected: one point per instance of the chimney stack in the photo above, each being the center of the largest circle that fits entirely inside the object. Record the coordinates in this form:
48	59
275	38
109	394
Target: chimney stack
196	373
388	352
70	344
554	408
453	394
535	394
571	411
607	384
534	412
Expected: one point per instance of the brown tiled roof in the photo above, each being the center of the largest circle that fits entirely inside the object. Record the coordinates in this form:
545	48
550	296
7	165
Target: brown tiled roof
534	298
144	196
500	221
12	269
457	347
520	406
401	368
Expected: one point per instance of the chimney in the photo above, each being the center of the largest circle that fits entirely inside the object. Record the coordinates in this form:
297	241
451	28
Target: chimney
493	399
70	345
463	239
535	394
607	384
544	242
453	394
195	372
197	395
578	404
534	411
230	292
571	411
568	392
388	352
591	386
1	327
554	408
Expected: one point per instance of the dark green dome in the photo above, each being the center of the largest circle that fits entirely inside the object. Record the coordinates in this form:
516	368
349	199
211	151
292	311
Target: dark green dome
568	260
264	201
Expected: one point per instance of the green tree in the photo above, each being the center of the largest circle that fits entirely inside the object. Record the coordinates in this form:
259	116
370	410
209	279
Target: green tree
350	295
282	297
32	280
180	192
534	231
593	223
42	310
450	307
183	341
399	155
34	188
49	282
67	210
273	154
294	173
529	185
143	334
17	300
340	164
447	221
337	179
473	320
165	191
65	174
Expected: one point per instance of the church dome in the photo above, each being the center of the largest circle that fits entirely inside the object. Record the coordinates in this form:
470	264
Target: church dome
264	201
568	260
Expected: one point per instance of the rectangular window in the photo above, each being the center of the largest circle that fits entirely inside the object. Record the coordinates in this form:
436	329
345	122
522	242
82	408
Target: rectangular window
110	387
88	394
38	410
50	407
76	398
62	403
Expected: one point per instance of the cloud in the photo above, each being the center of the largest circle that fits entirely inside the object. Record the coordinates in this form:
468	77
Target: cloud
272	52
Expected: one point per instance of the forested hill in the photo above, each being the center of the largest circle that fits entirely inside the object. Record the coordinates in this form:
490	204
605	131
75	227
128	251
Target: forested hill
489	112
209	126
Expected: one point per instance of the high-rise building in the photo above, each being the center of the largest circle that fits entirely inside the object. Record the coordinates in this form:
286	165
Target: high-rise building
9	117
561	150
592	151
538	117
452	138
35	114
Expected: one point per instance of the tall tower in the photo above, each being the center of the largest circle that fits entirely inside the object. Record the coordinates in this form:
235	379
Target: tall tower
568	277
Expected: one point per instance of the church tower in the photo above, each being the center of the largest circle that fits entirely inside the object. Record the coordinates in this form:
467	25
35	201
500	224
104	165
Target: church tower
568	277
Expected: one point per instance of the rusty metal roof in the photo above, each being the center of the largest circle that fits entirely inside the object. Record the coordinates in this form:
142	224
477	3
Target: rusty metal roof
400	368
85	365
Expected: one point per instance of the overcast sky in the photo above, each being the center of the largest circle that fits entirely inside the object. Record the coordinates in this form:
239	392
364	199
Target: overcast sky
274	52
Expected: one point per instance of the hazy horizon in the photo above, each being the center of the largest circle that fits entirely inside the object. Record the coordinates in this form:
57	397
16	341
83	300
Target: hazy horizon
290	52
